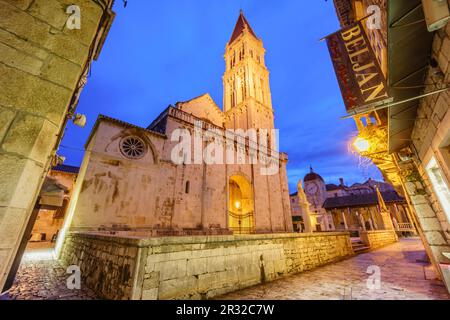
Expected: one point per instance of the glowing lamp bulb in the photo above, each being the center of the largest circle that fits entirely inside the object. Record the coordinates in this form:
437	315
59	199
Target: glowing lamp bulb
237	204
361	144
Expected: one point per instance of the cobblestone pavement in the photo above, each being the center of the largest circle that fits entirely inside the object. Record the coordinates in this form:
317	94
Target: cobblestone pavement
43	280
404	276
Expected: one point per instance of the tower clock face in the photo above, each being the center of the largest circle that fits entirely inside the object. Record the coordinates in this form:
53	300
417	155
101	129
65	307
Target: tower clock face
312	189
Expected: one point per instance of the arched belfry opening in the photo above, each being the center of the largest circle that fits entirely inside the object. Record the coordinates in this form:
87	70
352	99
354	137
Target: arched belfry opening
240	205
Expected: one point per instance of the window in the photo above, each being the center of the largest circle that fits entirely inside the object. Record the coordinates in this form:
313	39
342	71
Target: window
187	186
262	90
132	147
440	185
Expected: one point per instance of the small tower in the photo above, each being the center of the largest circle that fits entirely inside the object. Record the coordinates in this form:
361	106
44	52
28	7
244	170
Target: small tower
246	92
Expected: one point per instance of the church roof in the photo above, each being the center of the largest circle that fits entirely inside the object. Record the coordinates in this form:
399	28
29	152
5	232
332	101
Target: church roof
102	117
332	187
359	200
66	168
241	25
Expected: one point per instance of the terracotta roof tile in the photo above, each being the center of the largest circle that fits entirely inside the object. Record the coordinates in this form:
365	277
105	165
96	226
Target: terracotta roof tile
241	25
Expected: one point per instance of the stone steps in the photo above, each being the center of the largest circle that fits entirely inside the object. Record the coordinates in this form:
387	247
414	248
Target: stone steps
359	247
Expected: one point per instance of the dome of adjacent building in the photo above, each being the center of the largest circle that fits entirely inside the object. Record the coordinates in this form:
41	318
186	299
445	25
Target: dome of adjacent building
312	176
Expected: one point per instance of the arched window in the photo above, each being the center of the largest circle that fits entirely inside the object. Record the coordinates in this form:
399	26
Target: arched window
233	95
254	86
262	90
187	186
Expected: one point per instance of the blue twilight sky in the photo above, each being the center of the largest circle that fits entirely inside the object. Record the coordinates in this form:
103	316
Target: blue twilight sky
161	52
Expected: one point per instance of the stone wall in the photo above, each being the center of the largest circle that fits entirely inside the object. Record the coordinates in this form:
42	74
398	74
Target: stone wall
41	62
378	238
431	140
107	264
196	267
432	109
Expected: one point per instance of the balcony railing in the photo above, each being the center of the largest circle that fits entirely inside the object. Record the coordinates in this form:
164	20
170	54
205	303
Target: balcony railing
404	227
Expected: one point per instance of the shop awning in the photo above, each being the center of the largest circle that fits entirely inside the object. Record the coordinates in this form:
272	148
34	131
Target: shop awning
409	49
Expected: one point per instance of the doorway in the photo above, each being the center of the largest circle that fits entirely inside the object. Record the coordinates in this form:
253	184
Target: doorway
240	205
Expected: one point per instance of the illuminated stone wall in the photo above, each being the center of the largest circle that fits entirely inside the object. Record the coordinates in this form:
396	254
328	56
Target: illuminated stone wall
378	238
196	267
430	139
41	62
149	193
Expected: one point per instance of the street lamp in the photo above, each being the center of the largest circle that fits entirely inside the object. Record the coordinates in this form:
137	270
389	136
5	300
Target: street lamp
361	145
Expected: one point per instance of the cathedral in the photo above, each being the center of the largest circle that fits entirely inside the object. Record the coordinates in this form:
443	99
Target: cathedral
129	182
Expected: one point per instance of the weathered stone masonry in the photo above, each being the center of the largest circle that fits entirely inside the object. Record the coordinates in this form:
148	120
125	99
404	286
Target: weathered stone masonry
41	63
195	267
378	238
428	138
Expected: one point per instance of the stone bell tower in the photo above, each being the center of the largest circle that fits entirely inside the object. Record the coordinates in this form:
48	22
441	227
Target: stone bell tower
246	91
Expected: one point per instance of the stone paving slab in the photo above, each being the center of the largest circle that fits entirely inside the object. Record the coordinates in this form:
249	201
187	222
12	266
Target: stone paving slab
404	276
44	280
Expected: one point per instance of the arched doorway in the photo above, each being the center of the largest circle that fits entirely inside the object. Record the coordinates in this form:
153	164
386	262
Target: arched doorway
240	205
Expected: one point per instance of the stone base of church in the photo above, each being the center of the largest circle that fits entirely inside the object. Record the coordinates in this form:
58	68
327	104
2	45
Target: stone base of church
129	266
160	232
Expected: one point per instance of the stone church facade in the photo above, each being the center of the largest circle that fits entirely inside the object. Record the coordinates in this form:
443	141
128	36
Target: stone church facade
129	181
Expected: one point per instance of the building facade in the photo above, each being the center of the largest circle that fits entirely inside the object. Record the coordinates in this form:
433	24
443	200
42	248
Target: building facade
49	221
130	182
355	208
44	65
409	139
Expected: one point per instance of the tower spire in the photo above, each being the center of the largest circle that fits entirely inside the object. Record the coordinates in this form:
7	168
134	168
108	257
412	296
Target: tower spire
246	89
241	25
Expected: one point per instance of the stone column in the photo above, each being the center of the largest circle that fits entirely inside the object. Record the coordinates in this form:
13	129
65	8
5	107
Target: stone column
363	223
330	219
41	65
325	221
387	220
371	224
394	221
345	220
374	221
